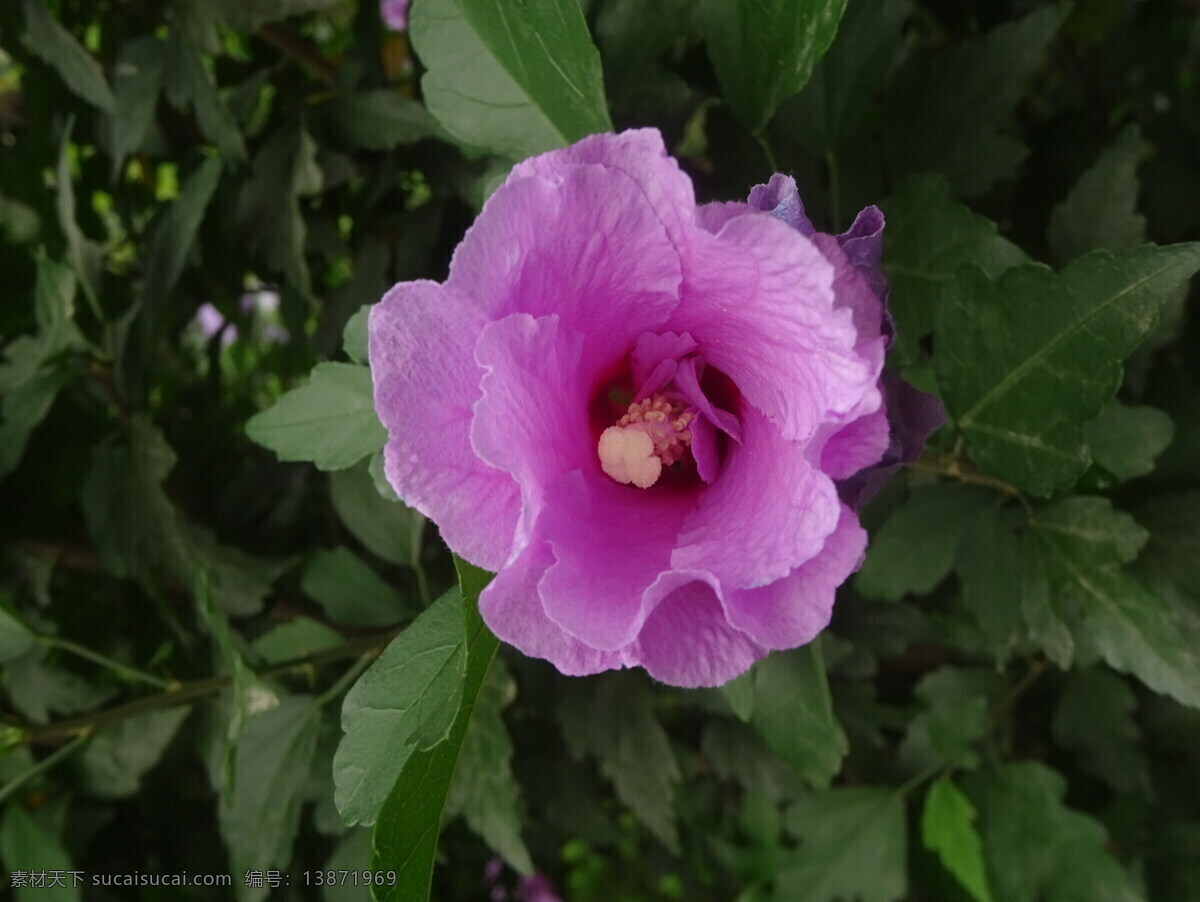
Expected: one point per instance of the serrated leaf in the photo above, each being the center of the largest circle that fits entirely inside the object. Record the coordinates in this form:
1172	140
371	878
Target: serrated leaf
930	236
617	726
174	238
484	789
793	712
1173	551
513	78
952	719
284	170
853	844
15	637
763	51
1037	848
259	817
331	421
406	833
112	765
1025	362
74	64
837	100
38	688
388	528
945	109
1134	628
987	557
948	830
1094	719
137	83
1101	210
188	83
914	551
380	120
349	591
1125	440
405	702
25	845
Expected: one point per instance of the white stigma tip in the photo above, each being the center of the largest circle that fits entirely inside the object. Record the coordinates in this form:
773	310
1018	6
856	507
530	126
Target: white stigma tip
627	455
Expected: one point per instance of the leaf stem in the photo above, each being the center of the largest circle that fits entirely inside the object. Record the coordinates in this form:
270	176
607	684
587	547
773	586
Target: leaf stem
43	765
182	693
953	468
767	151
122	670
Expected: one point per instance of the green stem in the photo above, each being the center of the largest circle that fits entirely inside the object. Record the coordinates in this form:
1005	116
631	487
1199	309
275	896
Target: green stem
342	683
122	670
188	692
44	765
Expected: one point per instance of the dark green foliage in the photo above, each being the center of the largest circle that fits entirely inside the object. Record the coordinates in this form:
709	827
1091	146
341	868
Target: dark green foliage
214	655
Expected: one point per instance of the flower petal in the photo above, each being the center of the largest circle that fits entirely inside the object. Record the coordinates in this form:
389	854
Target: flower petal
589	249
768	512
791	611
780	198
610	542
686	640
655	359
532	420
511	608
421	346
758	299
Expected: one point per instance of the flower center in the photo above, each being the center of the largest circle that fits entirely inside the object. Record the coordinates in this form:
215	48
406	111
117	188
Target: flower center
651	435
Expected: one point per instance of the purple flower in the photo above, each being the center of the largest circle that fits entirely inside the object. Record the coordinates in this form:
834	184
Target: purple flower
638	411
394	14
211	321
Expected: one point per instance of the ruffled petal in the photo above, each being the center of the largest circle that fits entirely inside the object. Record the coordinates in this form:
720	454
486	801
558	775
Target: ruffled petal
610	542
588	249
712	217
687	641
421	346
532	419
859	444
768	512
758	298
780	198
639	154
511	608
792	611
863	244
655	358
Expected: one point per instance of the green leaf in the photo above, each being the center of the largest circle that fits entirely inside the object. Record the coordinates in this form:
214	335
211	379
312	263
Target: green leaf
388	528
188	82
951	720
948	830
616	725
330	422
739	692
853	845
405	702
794	713
1134	628
298	638
37	688
763	51
247	15
1101	210
914	551
1174	547
1025	362
74	64
239	582
987	557
945	109
836	102
1037	849
1094	719
930	237
174	239
137	83
15	637
285	170
513	78
112	764
25	845
353	853
484	789
1126	440
406	833
380	120
354	335
349	591
260	815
